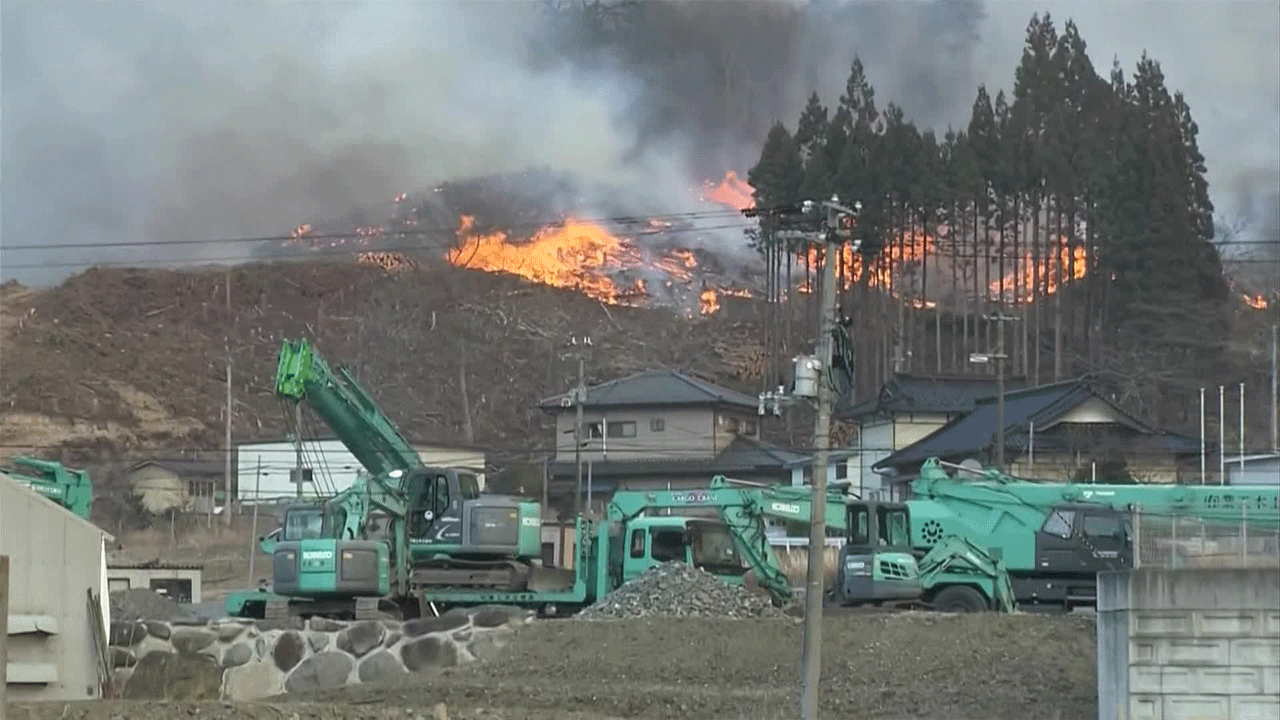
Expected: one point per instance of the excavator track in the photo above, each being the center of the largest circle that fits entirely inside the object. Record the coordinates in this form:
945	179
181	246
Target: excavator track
453	573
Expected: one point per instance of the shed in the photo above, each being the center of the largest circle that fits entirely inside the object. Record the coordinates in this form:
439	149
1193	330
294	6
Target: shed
1257	470
57	627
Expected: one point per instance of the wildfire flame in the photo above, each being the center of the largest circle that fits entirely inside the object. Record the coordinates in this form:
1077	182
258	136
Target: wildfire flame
1070	264
731	191
1257	302
709	302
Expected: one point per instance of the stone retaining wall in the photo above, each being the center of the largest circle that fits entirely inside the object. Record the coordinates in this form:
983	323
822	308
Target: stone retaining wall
245	660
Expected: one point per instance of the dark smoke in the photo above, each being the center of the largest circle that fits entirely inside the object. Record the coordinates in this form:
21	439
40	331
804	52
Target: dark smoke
157	121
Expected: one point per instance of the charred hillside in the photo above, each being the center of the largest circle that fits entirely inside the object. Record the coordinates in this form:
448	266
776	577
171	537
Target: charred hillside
115	360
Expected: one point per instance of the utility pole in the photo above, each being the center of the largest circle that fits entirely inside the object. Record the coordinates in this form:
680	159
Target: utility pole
297	448
1222	434
839	223
1242	432
1275	392
999	356
1202	438
579	397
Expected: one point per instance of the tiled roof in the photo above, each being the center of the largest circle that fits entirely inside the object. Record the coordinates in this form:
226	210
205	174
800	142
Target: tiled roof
923	393
656	387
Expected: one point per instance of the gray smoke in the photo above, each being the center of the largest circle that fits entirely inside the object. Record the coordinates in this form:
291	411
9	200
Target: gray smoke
160	121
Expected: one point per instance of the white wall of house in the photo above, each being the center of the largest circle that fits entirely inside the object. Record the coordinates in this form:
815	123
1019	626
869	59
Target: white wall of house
879	439
262	470
159	488
648	433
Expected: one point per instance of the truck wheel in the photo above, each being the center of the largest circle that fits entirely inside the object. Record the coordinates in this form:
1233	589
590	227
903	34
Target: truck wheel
960	599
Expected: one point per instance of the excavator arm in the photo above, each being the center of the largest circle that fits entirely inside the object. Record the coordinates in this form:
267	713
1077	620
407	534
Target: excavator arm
958	554
371	436
743	507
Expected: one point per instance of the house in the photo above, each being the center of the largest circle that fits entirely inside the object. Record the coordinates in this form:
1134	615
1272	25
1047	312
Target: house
57	626
1061	431
263	467
176	484
1256	470
180	583
907	408
662	429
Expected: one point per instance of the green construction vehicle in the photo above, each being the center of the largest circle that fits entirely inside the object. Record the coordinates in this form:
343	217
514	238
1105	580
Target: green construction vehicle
345	555
69	488
1000	542
637	534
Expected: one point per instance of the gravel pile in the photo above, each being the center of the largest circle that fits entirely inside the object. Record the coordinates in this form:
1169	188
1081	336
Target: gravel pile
675	589
144	604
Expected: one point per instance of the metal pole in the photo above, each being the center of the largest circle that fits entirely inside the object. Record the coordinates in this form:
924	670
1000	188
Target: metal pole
1093	472
1241	432
1275	392
588	488
297	446
1222	434
253	535
4	623
579	395
1000	404
1202	438
818	506
1031	448
226	501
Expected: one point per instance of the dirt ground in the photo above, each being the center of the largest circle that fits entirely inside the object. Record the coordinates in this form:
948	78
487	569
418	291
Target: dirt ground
912	666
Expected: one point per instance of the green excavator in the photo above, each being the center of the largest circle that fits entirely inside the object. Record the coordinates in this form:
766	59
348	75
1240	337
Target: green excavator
69	488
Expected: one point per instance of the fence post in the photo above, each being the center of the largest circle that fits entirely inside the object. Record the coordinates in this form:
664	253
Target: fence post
1137	538
1244	534
1174	552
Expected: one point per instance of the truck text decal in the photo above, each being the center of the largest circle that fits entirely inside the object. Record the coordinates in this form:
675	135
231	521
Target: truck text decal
691	497
785	508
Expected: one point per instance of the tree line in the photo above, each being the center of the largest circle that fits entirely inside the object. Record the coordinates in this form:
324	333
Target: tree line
1075	207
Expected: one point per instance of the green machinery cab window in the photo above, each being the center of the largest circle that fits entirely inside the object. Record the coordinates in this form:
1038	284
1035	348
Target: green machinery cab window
892	527
304	524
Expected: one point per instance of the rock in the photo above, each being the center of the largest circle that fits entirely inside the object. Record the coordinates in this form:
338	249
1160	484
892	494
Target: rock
488	646
427	652
143	603
381	666
192	640
320	672
122	658
677	590
288	651
127	634
228	632
158	629
462	635
361	637
260	645
323	624
237	655
440	712
166	676
451	620
289	623
318	641
392	639
252	681
489	616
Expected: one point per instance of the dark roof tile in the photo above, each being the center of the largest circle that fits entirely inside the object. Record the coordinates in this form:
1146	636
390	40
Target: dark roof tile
657	387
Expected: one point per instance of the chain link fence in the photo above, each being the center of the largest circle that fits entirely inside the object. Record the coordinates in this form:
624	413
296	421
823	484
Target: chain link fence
1176	542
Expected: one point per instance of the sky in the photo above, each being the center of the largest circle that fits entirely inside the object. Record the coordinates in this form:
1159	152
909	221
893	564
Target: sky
155	122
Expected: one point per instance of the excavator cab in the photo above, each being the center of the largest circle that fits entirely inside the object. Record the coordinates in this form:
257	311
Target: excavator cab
876	563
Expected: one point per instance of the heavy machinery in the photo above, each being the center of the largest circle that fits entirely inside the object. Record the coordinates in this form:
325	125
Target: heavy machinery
344	556
637	534
982	540
69	488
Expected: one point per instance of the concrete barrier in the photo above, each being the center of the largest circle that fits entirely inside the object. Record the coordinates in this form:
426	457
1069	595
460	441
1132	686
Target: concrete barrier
246	660
1189	643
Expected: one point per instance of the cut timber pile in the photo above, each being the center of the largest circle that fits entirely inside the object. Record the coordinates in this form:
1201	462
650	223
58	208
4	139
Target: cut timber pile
675	589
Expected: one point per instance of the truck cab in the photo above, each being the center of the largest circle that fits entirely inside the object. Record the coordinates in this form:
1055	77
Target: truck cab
876	563
704	543
1075	542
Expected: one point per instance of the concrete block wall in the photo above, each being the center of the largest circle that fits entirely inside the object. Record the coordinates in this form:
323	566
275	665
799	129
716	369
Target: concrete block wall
1189	644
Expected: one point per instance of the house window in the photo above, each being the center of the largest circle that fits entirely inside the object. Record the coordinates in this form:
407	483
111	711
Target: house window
749	427
657	425
731	423
592	431
842	469
626	429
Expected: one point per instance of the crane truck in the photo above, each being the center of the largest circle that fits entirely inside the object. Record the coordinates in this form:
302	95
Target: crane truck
69	488
998	541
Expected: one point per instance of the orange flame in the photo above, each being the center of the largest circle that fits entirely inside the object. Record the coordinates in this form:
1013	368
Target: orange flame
1255	301
1053	272
730	191
567	255
709	302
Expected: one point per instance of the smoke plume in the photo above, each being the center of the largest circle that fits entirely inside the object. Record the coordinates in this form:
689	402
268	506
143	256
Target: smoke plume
158	121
